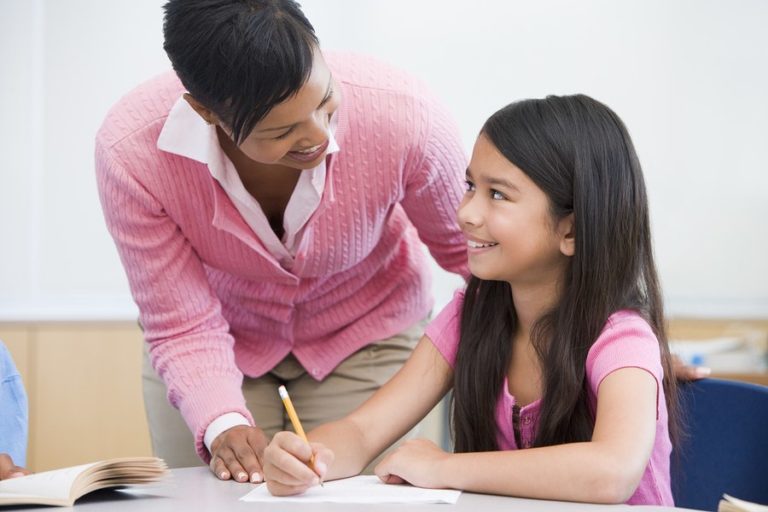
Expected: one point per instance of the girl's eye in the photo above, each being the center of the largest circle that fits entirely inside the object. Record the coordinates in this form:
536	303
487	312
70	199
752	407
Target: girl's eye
495	194
469	186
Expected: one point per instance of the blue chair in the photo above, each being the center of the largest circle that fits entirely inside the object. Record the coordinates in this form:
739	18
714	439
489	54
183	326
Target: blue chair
726	448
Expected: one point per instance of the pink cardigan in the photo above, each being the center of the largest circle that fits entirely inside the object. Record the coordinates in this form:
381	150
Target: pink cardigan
215	304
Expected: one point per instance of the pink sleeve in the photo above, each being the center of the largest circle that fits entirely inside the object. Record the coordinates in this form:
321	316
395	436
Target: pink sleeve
189	341
444	330
626	342
435	185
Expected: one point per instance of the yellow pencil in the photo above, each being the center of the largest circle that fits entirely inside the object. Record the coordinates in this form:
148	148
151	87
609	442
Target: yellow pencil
296	423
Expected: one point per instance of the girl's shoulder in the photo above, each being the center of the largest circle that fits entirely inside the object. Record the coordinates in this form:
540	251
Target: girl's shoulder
445	329
627	328
624	320
627	340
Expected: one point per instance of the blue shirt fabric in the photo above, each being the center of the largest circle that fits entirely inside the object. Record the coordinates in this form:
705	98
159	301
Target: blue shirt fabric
13	410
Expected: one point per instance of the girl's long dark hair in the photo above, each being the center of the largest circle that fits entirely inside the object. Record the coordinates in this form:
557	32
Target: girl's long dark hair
579	153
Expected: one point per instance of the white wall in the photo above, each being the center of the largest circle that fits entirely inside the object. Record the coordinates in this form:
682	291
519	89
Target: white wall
689	78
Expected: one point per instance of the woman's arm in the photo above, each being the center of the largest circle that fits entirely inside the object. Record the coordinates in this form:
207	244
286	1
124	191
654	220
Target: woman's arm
188	337
343	448
606	469
434	186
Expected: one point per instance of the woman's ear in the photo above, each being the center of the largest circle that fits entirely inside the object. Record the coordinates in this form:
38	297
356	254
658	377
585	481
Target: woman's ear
208	116
565	228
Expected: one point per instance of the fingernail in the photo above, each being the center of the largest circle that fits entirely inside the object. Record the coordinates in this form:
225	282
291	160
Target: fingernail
703	371
255	478
321	467
242	477
224	475
17	474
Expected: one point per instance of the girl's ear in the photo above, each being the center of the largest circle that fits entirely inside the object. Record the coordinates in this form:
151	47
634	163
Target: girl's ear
208	116
567	237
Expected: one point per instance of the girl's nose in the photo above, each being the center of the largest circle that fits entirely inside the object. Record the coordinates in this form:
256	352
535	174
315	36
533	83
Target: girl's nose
469	212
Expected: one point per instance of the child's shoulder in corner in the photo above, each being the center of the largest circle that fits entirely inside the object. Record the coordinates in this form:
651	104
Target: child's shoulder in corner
626	319
625	326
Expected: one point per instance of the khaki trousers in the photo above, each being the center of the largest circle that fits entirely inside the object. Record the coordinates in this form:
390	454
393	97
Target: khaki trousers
350	384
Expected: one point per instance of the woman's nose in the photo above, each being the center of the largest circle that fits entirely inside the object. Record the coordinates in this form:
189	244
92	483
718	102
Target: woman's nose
317	129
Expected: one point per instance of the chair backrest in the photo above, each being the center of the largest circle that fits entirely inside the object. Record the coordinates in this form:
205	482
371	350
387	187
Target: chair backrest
726	448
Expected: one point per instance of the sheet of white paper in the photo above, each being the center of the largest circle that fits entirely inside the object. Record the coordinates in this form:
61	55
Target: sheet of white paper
359	489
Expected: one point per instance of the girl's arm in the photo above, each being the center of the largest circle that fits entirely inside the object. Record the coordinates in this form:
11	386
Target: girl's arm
605	470
343	448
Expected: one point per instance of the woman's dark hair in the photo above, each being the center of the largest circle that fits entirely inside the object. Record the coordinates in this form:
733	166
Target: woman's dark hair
579	153
239	58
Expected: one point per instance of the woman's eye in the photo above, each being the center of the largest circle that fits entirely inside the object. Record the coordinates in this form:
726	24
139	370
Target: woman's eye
495	194
469	186
283	135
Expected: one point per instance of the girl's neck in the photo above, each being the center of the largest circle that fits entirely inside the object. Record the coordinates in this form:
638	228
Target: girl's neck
532	301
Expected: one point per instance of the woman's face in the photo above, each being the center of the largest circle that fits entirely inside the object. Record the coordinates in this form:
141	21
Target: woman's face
295	133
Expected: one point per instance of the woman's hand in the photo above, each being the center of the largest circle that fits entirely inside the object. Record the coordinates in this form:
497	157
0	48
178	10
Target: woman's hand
416	462
10	470
687	372
236	453
287	468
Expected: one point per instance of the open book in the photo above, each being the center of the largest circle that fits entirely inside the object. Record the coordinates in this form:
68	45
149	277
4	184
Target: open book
64	486
731	504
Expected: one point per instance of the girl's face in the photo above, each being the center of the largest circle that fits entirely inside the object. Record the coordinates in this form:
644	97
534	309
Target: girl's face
511	235
295	133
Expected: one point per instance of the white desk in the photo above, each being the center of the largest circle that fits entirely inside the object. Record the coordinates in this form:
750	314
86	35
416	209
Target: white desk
197	490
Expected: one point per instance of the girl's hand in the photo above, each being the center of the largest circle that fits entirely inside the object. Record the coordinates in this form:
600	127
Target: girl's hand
8	469
287	468
236	453
416	462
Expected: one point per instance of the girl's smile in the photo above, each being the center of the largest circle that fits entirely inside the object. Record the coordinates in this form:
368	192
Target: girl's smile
478	246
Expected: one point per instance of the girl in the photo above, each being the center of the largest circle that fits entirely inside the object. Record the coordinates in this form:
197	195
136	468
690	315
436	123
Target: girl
556	352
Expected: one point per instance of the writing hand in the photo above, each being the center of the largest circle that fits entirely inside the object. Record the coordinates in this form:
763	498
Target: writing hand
287	464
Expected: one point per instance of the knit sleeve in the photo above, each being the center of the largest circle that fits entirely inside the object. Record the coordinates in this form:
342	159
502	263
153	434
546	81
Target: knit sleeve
434	187
189	341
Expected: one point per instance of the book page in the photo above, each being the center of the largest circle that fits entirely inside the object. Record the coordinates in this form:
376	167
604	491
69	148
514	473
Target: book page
359	489
55	484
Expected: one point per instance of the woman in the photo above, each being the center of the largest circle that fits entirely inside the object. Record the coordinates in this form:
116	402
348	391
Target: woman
268	203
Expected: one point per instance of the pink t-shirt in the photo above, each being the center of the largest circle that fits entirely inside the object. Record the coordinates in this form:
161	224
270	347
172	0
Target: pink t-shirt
626	341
